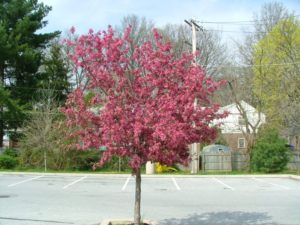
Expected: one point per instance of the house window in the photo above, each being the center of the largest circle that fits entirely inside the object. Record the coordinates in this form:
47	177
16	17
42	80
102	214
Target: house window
241	143
241	121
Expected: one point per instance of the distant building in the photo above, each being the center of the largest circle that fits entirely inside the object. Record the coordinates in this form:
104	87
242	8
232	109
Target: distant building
233	127
5	142
9	142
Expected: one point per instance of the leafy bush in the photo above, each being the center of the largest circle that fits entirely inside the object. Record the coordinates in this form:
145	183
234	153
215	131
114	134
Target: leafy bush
269	153
7	162
82	160
11	152
31	158
116	164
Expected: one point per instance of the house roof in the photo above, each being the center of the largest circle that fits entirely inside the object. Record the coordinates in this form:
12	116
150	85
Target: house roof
233	108
233	124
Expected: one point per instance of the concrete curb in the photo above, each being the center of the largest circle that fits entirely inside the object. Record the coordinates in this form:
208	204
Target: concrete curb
64	174
124	221
296	177
155	175
223	176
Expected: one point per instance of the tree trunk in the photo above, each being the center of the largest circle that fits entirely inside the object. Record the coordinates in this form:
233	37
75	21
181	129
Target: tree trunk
137	204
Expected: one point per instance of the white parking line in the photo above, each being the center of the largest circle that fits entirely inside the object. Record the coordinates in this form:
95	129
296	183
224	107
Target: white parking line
24	181
74	182
126	183
225	185
176	184
276	185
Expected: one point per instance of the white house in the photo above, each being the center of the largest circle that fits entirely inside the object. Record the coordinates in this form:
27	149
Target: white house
5	143
233	127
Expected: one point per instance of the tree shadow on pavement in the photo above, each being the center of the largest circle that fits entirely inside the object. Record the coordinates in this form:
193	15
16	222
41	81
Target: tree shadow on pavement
222	218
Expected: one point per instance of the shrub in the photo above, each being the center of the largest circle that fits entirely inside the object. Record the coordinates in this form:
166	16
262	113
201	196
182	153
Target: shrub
270	153
7	162
31	158
116	164
11	152
82	160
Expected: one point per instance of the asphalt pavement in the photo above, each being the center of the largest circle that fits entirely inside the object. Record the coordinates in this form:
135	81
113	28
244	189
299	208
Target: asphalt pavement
84	199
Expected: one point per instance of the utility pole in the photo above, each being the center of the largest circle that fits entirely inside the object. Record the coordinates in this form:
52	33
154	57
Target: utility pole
195	146
195	27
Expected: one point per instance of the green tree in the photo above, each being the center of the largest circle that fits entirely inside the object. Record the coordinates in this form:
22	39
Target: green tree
270	153
277	80
54	72
240	80
264	21
21	48
11	114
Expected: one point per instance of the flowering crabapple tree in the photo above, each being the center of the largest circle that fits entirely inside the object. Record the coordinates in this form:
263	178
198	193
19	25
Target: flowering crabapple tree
141	101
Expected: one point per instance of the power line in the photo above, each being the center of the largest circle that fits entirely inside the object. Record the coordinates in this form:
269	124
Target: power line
235	31
254	65
239	23
245	21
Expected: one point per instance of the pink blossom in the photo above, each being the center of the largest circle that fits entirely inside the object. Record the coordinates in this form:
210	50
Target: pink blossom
142	106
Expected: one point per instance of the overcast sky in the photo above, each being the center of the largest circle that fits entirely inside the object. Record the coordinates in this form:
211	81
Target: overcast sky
98	14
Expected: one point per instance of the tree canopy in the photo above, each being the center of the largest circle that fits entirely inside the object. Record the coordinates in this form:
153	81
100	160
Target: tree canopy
21	47
54	72
277	80
147	111
142	101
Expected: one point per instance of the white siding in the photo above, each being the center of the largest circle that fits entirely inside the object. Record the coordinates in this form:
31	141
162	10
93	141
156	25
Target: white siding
230	124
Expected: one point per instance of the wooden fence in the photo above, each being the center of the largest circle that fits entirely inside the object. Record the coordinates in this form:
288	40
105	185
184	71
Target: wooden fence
237	161
294	162
224	161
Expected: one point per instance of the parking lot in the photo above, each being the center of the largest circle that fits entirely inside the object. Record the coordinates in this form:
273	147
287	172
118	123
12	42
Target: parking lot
84	199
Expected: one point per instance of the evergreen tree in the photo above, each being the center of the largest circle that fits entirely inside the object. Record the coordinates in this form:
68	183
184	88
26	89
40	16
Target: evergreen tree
21	49
11	113
54	72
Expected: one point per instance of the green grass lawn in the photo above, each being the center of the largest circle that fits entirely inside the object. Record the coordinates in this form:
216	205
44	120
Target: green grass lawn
106	171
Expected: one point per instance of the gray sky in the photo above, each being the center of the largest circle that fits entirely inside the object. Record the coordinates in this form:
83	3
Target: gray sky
98	14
